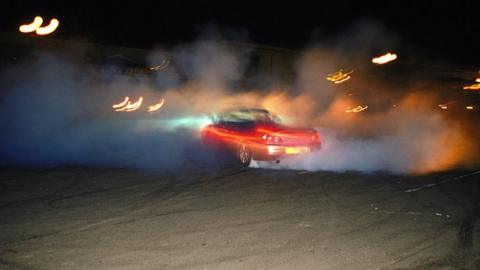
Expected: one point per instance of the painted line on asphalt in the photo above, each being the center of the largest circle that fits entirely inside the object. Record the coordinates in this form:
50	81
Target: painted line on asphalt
442	182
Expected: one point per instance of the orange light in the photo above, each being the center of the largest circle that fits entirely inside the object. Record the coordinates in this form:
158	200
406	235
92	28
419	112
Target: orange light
157	106
383	59
28	28
357	109
134	106
469	107
52	26
342	80
121	104
443	106
339	76
128	107
472	87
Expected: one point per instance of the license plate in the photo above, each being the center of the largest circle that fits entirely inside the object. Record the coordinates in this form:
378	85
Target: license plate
296	150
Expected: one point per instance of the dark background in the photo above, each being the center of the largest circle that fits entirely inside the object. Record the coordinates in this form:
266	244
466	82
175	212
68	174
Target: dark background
447	30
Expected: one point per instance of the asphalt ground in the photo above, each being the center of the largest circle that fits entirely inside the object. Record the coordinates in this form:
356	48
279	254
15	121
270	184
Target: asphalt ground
110	218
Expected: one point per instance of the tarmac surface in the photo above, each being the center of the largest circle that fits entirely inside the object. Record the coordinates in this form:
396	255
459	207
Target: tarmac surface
107	218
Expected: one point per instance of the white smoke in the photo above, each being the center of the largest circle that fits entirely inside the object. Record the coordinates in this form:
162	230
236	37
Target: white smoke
59	112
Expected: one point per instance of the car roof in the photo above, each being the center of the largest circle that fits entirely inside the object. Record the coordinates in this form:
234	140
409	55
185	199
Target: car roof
244	110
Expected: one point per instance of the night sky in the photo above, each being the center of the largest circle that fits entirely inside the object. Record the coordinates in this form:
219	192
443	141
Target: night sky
450	30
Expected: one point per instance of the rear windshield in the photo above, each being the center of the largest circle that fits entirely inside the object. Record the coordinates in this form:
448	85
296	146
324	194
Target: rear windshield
246	116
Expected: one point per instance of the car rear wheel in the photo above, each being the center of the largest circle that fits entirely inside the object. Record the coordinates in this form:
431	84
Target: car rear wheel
244	155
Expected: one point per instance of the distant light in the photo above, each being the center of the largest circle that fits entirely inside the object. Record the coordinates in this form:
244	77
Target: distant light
54	23
339	76
472	87
342	80
357	109
28	28
383	59
121	104
127	106
157	106
162	65
469	107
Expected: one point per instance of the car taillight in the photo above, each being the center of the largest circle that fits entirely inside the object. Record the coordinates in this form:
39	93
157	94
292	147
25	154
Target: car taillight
315	137
271	138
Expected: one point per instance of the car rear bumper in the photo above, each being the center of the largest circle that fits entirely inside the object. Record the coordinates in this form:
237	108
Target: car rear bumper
272	152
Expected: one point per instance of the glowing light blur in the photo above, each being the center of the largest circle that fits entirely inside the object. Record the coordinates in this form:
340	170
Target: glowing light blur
121	104
443	106
469	107
157	106
472	87
122	109
52	26
357	109
383	59
128	107
28	28
134	106
162	65
342	80
339	76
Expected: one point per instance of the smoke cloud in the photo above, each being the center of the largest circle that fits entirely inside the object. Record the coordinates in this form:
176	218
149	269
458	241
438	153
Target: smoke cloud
59	112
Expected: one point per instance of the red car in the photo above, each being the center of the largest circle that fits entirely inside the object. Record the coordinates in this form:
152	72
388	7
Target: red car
257	134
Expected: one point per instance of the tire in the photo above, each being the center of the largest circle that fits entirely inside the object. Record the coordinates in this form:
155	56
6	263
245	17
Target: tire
244	155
